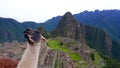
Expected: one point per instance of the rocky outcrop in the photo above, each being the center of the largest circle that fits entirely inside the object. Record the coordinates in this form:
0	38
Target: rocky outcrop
69	27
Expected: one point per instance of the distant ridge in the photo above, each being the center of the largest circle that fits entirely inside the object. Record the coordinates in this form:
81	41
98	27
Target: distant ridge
10	30
107	20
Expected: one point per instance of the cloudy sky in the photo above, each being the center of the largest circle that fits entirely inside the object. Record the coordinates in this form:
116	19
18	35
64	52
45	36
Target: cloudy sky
42	10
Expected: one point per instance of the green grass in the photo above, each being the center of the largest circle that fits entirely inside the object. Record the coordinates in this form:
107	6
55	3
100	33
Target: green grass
57	62
74	56
55	44
97	58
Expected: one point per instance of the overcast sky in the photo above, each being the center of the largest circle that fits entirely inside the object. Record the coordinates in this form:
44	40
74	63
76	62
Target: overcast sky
42	10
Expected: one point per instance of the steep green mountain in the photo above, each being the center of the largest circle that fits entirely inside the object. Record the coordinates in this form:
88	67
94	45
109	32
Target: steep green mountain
107	20
95	38
86	36
10	30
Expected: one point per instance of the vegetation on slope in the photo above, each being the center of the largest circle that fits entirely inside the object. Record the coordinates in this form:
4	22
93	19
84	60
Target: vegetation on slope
55	44
75	57
110	62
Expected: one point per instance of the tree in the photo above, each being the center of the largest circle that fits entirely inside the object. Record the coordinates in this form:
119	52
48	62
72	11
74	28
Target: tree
43	32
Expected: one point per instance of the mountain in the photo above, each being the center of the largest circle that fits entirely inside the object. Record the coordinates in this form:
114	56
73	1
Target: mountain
95	38
107	20
51	23
85	36
69	27
30	24
47	25
10	30
72	44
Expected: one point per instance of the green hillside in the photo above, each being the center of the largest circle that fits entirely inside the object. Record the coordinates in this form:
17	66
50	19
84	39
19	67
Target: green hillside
58	45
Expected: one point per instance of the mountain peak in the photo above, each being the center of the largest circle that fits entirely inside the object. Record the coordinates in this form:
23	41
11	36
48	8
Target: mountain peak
67	19
68	26
68	14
